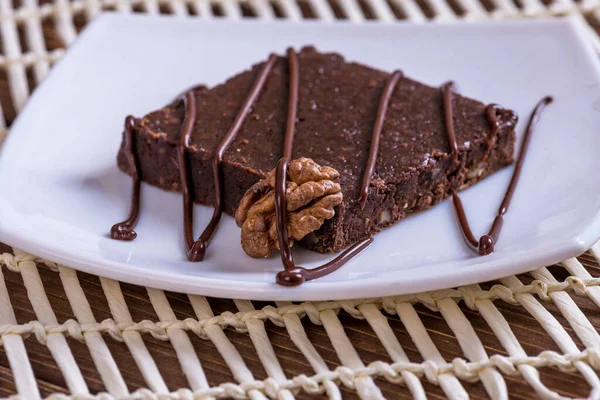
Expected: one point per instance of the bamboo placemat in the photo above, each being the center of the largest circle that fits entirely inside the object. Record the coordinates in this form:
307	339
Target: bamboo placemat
66	334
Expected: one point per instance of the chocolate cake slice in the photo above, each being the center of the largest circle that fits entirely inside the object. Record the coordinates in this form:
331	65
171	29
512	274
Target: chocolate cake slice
337	107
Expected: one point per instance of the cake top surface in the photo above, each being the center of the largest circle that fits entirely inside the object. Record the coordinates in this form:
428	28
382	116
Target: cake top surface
337	108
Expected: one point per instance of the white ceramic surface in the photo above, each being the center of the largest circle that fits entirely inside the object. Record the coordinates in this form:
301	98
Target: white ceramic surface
61	190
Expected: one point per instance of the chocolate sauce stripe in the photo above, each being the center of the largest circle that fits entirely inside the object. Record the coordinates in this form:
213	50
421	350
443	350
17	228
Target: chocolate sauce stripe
384	100
192	248
485	245
196	251
293	275
124	230
290	124
447	90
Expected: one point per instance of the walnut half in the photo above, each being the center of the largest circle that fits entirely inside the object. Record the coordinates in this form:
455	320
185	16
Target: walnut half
311	198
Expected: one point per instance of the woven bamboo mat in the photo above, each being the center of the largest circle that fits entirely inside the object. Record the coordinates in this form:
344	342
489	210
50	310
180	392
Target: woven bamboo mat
66	334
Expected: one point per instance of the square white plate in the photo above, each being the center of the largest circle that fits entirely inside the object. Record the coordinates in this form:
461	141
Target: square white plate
61	190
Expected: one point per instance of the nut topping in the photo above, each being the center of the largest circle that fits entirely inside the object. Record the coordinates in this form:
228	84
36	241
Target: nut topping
311	198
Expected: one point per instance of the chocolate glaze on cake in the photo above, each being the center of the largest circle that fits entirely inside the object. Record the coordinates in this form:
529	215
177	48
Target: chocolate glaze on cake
485	245
337	107
293	275
386	95
124	230
195	250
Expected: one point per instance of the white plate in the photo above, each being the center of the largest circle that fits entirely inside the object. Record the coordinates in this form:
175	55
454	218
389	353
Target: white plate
61	190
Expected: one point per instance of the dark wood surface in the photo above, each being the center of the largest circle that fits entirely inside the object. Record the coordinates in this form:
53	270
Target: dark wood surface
528	331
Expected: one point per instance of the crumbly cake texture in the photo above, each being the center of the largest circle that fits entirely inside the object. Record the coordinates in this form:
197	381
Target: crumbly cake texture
337	108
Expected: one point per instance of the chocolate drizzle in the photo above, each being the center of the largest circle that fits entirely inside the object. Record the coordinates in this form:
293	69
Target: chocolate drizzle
293	275
124	230
196	250
485	245
447	90
384	100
